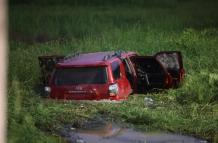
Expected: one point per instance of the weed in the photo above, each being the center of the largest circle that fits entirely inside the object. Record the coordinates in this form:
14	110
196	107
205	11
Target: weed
143	26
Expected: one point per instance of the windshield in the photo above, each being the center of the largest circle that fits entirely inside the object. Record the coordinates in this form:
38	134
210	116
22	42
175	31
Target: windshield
80	75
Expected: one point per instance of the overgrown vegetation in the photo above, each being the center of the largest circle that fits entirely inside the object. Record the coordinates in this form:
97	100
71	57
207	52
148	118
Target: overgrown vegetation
188	26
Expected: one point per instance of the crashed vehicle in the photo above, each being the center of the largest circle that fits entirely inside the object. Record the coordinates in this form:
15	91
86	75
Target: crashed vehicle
109	75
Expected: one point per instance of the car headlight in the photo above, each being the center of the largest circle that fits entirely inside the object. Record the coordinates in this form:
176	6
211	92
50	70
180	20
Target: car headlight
48	89
113	89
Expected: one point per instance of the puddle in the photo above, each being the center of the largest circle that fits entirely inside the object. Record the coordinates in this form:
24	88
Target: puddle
96	131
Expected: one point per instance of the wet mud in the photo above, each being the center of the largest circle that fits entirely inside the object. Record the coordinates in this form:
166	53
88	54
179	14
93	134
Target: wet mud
102	131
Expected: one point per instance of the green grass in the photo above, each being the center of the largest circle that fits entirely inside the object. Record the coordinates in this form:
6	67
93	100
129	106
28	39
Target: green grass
188	26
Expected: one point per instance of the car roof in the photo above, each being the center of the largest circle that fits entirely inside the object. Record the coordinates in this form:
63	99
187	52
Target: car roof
93	59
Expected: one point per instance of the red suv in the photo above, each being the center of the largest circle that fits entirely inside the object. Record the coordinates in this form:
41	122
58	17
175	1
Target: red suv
109	75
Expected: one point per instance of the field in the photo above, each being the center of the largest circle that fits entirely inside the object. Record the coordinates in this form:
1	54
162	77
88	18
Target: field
145	27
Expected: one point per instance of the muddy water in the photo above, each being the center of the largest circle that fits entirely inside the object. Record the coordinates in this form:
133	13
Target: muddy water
107	132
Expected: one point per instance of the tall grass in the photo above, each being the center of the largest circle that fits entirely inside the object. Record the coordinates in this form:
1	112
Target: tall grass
62	29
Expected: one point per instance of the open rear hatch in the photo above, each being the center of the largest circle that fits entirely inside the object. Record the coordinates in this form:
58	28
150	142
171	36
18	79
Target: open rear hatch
172	62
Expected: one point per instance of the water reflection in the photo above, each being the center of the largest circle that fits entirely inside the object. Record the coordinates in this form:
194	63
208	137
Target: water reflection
111	133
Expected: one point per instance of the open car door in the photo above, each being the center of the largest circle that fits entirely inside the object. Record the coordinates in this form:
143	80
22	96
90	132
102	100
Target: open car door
150	74
172	62
47	65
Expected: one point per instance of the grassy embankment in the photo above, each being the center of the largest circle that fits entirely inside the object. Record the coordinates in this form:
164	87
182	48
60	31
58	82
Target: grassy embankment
185	26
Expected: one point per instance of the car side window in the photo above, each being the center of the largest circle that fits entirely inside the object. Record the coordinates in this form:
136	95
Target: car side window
116	69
